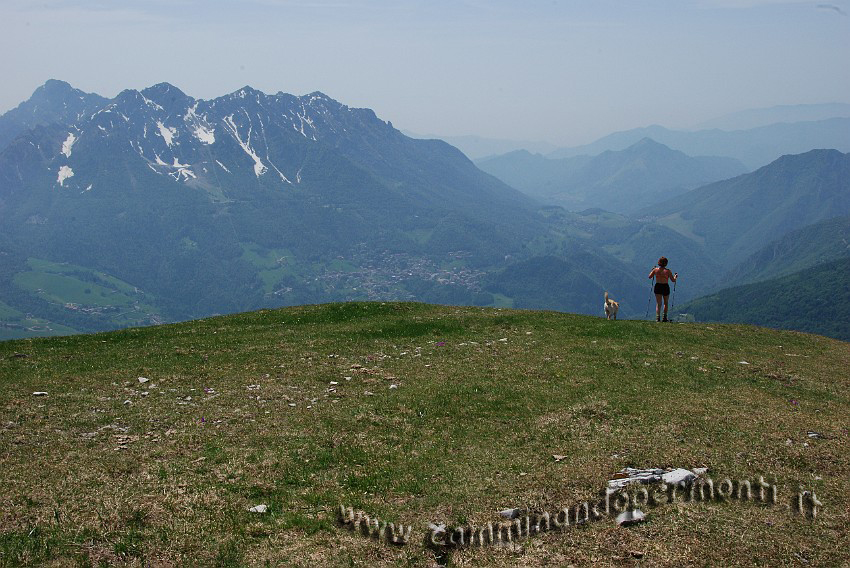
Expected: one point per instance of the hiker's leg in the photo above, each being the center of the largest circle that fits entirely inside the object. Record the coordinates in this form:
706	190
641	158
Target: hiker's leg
657	307
665	307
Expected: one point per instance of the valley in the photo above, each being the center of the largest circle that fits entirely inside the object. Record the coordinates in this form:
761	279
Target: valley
154	207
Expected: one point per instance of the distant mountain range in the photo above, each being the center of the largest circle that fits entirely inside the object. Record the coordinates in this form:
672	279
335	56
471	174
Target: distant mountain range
815	300
819	243
53	102
755	118
735	218
800	281
754	137
621	181
754	147
155	206
477	147
246	200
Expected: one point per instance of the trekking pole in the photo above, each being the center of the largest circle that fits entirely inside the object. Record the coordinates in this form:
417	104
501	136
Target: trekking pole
673	299
649	301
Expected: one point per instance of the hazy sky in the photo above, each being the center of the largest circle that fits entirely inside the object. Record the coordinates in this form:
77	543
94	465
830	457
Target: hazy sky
564	71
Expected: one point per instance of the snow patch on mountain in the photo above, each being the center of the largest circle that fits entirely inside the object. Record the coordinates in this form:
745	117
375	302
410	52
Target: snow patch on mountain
167	132
305	119
265	140
68	143
222	166
184	174
150	103
259	167
205	135
202	130
64	173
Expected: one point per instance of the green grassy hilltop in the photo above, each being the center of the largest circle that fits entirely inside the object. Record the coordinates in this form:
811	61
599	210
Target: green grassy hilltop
414	414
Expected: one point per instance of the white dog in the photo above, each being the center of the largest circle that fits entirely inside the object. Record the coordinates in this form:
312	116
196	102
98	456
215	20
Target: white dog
611	307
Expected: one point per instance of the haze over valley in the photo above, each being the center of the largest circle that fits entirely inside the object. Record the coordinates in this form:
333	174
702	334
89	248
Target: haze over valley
565	149
155	206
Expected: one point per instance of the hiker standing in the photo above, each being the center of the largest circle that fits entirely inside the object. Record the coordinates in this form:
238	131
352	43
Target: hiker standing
662	275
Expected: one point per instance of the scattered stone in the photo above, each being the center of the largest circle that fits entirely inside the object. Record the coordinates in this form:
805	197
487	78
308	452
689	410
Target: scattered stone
678	475
631	475
123	441
333	383
813	434
627	518
253	387
558	457
636	554
292	404
128	401
259	509
369	393
393	386
512	513
143	380
743	363
39	393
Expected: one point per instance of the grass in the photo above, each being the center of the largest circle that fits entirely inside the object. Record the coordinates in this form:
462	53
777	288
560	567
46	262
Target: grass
274	264
112	299
241	410
16	325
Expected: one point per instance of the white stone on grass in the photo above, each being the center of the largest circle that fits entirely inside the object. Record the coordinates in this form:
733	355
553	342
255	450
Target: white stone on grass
627	518
678	476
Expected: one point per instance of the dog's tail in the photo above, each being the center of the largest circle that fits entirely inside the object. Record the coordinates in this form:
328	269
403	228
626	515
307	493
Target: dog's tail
606	296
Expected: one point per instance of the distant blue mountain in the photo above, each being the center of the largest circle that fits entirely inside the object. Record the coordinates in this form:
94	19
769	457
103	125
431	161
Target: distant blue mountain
478	147
735	218
53	102
621	181
755	147
755	118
